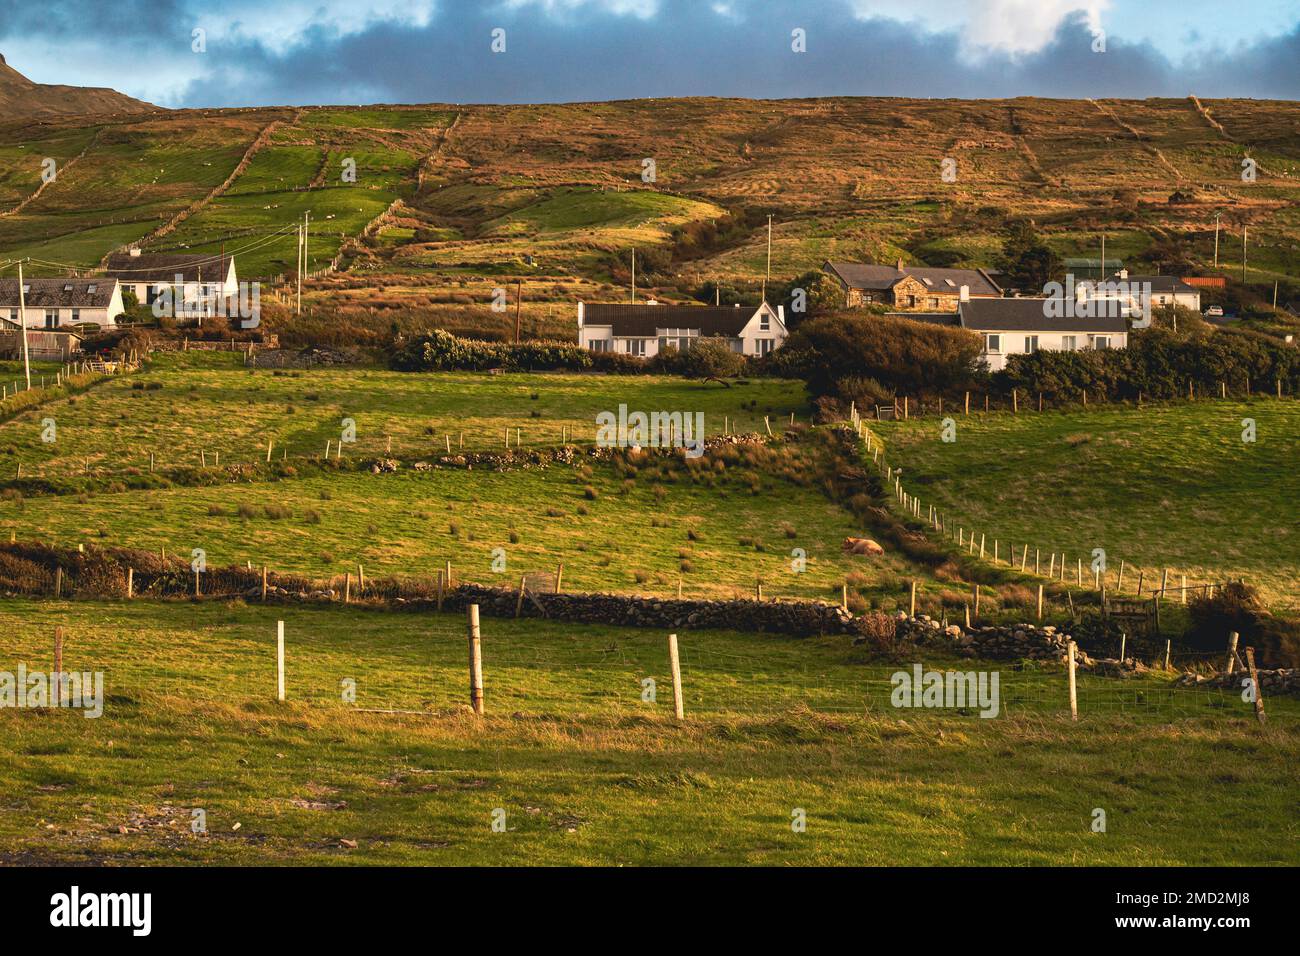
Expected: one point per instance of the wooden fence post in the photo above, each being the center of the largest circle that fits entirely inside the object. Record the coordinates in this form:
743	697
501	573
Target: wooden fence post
679	710
130	582
1232	651
264	584
912	612
1254	681
1168	648
58	582
58	668
519	604
1040	602
968	403
1164	583
975	598
347	587
559	576
361	581
279	660
1074	694
1184	589
475	661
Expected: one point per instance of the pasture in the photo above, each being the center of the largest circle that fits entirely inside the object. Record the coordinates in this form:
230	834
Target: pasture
585	770
1162	486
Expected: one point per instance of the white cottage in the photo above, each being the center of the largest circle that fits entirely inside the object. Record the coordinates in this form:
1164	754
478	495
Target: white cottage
643	330
1025	326
61	303
197	283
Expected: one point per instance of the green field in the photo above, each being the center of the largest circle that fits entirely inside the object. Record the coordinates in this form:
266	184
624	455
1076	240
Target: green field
1159	487
587	772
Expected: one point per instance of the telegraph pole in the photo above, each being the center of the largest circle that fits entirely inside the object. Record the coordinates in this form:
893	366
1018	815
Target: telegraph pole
634	275
1216	239
1243	253
299	264
22	318
519	297
768	274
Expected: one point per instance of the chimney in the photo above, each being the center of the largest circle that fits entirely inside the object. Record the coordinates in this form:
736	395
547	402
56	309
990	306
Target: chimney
780	313
964	294
899	267
135	251
580	313
1123	273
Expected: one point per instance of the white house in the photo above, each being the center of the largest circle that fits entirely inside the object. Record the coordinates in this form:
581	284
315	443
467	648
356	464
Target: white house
1165	290
198	283
643	330
1024	326
58	303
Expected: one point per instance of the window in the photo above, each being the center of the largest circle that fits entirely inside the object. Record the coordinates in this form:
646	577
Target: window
993	343
765	323
934	302
1101	341
636	347
1069	343
90	289
51	318
76	316
1031	344
763	345
599	345
13	315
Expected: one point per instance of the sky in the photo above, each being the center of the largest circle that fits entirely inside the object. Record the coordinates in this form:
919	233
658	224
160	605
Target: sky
200	53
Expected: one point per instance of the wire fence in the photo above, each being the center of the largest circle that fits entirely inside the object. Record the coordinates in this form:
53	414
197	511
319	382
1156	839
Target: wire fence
420	665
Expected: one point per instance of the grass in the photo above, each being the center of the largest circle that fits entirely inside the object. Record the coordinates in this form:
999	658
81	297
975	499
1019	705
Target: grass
210	403
1163	486
589	773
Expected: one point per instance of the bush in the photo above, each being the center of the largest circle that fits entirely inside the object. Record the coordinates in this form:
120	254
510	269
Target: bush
1236	607
900	355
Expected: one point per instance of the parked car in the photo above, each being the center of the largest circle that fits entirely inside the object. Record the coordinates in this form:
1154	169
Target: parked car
1215	310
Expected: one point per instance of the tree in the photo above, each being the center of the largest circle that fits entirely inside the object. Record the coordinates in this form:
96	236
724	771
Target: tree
1027	261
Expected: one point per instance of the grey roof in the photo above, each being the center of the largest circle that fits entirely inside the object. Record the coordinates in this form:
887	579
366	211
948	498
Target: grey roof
870	275
1158	283
94	293
1030	315
159	267
645	320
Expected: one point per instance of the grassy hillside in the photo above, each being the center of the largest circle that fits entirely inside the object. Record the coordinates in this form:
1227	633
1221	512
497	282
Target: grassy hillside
585	770
1163	486
484	187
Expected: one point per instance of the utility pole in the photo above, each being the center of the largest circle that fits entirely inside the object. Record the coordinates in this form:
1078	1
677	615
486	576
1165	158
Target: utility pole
767	275
299	263
634	275
1243	253
22	318
519	294
1216	239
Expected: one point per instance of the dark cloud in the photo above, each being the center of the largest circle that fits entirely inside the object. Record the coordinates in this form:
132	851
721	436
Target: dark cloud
687	49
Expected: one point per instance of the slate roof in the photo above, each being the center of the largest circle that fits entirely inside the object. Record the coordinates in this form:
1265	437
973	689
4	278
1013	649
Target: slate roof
159	267
94	293
644	320
1030	315
870	275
